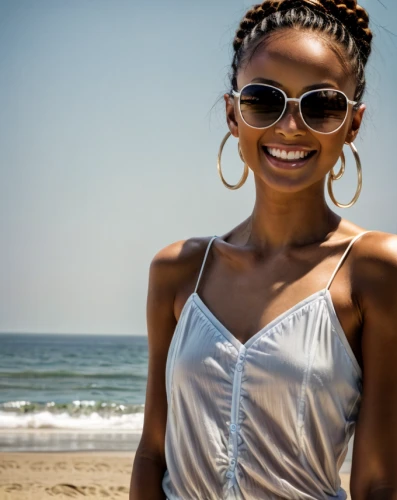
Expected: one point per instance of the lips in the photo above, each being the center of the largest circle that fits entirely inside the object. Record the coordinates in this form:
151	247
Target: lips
288	164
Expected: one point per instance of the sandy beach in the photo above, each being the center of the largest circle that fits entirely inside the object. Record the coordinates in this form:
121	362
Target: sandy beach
88	475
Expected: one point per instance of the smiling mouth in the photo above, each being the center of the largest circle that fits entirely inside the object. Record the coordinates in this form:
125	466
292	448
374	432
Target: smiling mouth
288	157
288	164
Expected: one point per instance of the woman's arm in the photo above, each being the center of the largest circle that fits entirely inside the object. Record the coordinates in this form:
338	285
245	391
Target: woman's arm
374	467
149	463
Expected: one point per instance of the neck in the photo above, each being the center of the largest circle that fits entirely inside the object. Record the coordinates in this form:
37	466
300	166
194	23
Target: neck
281	220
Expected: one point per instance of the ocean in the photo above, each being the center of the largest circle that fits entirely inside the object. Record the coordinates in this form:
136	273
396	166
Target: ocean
71	385
74	392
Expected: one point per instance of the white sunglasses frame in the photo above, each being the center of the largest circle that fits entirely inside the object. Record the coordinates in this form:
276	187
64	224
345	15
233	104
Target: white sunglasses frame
293	99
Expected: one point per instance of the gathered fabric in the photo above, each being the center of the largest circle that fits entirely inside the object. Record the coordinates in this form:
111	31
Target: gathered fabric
268	419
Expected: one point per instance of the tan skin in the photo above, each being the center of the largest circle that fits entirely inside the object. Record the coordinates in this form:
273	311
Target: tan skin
283	252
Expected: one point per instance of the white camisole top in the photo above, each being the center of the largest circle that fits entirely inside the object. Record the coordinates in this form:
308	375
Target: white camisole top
267	419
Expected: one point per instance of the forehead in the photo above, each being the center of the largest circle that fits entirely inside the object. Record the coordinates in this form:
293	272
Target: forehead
297	60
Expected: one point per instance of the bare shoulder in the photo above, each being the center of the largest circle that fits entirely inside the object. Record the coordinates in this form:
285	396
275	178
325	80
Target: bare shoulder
179	261
374	268
376	251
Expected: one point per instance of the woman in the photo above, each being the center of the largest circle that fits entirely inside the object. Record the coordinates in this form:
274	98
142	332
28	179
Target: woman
268	344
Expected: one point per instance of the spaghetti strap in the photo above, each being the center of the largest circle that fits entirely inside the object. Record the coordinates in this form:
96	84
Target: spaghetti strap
203	264
344	256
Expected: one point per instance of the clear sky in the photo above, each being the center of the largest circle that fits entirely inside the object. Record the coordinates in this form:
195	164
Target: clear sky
108	147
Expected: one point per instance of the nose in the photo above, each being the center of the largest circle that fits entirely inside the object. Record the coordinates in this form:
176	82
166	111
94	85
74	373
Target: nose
291	123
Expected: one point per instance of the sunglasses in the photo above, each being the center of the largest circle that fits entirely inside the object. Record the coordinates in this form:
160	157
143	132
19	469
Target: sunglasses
324	111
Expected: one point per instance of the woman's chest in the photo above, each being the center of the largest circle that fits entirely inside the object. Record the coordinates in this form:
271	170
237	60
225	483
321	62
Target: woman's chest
245	319
301	348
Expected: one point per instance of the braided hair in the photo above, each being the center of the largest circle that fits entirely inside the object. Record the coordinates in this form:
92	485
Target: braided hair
345	23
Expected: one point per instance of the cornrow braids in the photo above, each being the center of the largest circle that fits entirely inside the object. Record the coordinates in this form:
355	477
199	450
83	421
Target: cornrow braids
343	21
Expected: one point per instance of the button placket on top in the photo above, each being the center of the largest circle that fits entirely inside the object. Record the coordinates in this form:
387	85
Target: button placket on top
234	424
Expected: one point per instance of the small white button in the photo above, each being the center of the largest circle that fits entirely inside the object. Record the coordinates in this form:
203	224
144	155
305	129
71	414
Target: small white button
233	427
239	367
233	461
229	474
242	357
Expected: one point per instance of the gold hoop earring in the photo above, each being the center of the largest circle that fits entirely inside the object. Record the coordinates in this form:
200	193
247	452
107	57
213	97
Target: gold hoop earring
246	169
334	177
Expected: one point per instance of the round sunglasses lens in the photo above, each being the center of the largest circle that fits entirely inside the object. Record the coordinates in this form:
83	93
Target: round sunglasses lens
324	110
260	105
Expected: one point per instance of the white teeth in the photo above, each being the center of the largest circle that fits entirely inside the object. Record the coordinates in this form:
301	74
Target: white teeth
290	155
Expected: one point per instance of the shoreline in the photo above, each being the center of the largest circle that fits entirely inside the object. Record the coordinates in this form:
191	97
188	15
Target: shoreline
67	431
64	440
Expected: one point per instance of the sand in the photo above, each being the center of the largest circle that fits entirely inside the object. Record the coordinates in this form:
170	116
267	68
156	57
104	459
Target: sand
85	475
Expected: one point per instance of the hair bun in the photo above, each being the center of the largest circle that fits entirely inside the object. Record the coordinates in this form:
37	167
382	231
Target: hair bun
354	17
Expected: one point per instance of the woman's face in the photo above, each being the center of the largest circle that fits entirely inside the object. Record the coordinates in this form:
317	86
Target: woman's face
294	62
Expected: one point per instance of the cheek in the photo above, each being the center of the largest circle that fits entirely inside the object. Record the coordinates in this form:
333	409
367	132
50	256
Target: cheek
331	147
250	143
